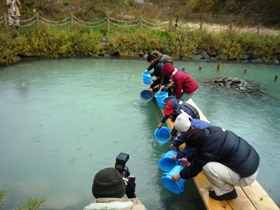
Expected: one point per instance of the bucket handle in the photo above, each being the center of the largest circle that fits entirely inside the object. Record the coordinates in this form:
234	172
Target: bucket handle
162	156
164	174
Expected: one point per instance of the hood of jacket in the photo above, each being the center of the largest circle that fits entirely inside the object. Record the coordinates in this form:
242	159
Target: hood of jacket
168	69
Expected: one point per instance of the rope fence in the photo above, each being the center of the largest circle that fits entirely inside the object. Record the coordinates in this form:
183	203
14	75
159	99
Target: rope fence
140	23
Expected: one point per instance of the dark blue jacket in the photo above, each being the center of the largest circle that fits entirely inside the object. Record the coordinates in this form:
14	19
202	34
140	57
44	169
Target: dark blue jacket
186	107
225	147
195	123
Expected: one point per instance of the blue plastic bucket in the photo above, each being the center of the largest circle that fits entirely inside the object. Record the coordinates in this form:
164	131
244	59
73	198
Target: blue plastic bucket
165	161
159	97
167	99
146	95
175	187
147	79
162	135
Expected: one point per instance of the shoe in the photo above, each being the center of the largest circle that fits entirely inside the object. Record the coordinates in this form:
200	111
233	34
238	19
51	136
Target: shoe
228	196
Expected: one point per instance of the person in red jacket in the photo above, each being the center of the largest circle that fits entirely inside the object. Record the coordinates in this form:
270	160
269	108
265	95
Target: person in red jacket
185	85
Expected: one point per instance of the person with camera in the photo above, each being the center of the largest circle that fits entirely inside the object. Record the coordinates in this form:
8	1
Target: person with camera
110	185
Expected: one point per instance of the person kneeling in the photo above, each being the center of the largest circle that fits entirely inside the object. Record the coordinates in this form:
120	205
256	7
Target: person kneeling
226	159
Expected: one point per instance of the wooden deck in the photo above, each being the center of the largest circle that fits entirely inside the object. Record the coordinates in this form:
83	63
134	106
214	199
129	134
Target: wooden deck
250	197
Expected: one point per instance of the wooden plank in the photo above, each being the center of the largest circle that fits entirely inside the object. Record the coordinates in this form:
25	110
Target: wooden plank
249	197
259	197
203	187
242	202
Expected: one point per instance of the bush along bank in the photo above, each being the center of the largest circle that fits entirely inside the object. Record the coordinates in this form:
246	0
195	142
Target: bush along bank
51	42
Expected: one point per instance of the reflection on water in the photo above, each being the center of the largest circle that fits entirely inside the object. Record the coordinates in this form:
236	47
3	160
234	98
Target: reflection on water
64	120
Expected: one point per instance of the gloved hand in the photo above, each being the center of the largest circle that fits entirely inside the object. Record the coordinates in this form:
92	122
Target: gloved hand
146	70
130	187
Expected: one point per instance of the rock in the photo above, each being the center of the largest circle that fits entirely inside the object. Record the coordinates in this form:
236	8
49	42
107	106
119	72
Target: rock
206	57
103	39
237	85
196	57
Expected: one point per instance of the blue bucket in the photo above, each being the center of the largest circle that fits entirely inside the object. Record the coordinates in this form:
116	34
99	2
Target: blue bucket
167	99
175	187
162	135
159	97
147	79
146	95
165	161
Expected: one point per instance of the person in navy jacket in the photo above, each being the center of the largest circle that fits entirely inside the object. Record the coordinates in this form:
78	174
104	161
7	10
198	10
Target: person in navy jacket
226	159
172	109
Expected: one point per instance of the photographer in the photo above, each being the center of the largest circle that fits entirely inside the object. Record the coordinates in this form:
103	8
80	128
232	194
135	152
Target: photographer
110	185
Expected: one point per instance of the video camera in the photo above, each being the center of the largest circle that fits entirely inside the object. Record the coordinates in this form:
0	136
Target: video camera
121	160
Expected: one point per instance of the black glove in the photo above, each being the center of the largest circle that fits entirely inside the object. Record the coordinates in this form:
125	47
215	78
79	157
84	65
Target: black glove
130	188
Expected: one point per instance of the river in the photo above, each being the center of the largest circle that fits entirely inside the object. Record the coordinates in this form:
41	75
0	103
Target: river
63	120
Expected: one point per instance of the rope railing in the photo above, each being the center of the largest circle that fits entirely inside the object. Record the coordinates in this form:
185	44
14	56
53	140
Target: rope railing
155	24
90	26
153	28
84	22
57	21
24	21
123	21
2	17
56	24
140	22
126	26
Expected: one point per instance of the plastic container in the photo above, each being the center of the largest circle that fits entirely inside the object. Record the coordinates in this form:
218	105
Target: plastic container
175	187
162	135
167	99
147	79
165	161
159	97
146	95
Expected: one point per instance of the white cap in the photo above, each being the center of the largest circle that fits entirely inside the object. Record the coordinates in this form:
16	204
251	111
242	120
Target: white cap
182	122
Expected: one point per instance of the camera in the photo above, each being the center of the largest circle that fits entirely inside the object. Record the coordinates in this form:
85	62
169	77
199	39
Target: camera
121	160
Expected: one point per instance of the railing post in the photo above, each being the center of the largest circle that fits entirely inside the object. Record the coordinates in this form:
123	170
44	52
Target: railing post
37	19
140	24
5	20
230	28
259	27
71	21
200	27
108	23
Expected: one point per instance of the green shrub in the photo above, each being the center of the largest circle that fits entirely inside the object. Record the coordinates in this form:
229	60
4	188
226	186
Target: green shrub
56	42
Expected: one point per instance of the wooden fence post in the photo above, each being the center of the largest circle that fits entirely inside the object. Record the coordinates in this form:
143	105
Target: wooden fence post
71	22
200	28
108	23
5	20
37	19
230	28
140	24
259	27
170	22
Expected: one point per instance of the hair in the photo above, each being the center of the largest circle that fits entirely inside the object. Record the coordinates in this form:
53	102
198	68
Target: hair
194	138
151	57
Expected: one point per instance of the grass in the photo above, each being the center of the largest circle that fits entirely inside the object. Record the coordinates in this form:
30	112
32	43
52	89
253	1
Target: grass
265	12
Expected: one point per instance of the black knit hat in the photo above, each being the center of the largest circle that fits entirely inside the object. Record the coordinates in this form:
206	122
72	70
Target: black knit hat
108	183
151	57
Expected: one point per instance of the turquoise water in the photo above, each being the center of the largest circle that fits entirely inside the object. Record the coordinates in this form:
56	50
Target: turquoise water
64	120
